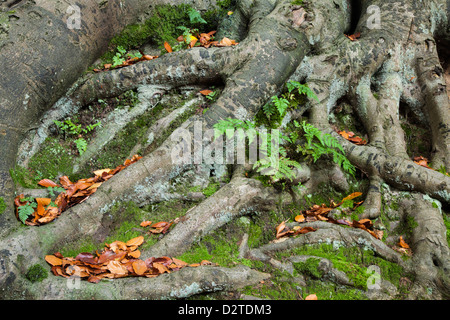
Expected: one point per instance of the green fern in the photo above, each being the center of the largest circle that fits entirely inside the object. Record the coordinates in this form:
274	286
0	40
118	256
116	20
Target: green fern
81	145
26	210
327	146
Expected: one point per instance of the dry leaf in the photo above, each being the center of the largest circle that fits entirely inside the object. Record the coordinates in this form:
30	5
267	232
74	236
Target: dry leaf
167	47
206	92
300	218
52	260
402	243
139	267
352	196
47	183
135	241
115	267
311	297
145	223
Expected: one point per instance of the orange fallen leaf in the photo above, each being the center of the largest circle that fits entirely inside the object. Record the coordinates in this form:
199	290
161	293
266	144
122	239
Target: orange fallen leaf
47	183
206	92
300	218
145	223
355	36
311	297
402	243
167	47
135	241
52	260
139	267
352	196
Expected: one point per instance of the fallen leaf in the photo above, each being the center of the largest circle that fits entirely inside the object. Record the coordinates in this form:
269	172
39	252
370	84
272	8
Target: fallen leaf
52	260
402	243
135	241
352	196
160	267
47	183
167	47
145	223
206	92
139	267
300	218
311	297
115	267
100	172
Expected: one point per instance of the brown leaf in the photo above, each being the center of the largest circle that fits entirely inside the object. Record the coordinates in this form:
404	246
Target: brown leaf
145	223
139	267
179	263
300	218
160	267
47	183
135	241
206	92
135	254
101	171
115	267
161	224
41	204
167	47
352	196
402	243
52	260
65	182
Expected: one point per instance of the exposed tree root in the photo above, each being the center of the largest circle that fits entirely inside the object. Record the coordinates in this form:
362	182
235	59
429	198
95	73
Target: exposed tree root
279	37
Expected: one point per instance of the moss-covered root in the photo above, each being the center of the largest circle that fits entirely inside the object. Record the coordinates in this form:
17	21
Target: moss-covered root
239	197
428	241
194	66
329	232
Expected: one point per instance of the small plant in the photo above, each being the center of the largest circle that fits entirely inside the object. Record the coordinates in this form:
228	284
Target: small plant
195	16
36	273
81	145
28	209
319	144
67	127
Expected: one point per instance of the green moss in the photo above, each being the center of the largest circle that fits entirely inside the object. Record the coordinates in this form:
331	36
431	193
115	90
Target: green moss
447	225
36	273
161	26
2	205
354	261
52	160
310	267
211	189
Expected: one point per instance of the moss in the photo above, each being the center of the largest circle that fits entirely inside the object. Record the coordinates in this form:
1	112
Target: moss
309	267
161	26
2	205
447	225
36	273
211	189
354	261
52	160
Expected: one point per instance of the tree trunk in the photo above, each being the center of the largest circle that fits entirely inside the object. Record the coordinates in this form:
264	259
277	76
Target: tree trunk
394	64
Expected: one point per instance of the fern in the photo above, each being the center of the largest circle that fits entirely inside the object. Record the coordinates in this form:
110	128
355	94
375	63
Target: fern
81	145
26	210
302	89
328	145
